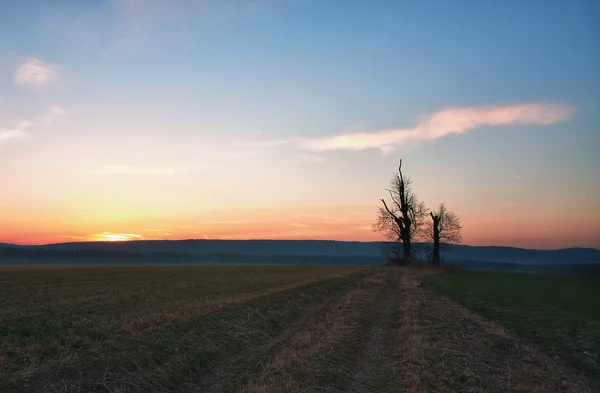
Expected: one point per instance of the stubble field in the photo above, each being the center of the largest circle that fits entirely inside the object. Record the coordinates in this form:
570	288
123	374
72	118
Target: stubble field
266	329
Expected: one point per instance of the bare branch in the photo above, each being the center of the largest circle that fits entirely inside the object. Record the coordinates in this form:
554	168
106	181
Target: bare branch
388	210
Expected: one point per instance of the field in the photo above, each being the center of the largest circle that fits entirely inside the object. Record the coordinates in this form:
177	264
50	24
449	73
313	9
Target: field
282	329
559	314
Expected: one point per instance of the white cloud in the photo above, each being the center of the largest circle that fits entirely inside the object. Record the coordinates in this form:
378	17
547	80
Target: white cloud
136	170
16	132
54	112
517	177
34	72
440	124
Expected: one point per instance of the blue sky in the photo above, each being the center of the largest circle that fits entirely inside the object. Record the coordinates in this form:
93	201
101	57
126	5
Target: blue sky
146	111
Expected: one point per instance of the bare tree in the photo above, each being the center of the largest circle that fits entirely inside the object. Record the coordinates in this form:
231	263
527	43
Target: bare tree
444	228
401	220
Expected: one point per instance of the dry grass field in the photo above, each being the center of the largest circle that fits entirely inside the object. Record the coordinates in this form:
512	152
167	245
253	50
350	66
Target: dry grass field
261	329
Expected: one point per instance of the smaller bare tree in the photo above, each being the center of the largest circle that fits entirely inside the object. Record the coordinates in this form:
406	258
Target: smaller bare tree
444	228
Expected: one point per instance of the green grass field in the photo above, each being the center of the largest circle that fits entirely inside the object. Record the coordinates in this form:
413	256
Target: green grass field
559	314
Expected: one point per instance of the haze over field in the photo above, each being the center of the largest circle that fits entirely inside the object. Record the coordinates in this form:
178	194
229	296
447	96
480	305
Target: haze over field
155	120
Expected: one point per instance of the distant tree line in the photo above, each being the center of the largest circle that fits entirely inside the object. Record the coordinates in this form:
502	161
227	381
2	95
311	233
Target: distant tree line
406	220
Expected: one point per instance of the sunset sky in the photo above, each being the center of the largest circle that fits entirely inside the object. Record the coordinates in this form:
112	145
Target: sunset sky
156	119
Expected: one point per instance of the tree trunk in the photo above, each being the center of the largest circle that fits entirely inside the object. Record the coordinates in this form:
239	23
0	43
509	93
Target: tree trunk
407	251
436	245
406	244
436	240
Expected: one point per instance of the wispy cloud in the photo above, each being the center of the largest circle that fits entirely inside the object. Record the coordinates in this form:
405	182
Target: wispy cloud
232	222
71	237
136	170
34	72
322	217
357	213
517	177
445	122
440	124
298	225
16	132
265	144
311	158
54	112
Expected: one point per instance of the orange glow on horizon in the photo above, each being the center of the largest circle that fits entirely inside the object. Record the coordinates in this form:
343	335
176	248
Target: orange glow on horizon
115	237
343	223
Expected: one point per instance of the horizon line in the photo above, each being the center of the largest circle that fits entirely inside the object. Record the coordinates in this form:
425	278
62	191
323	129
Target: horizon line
281	240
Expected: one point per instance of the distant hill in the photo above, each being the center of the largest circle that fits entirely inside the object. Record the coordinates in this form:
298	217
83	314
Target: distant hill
217	251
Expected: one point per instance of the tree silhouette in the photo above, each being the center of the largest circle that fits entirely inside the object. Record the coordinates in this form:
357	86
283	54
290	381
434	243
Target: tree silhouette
443	228
401	220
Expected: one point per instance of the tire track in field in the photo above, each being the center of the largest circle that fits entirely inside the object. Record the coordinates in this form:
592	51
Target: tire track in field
237	368
160	319
344	348
376	369
226	373
202	354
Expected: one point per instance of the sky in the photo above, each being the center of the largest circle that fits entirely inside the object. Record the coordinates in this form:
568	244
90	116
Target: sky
156	119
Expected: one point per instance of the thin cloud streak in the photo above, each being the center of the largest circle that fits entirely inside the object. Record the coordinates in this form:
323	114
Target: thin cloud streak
299	225
311	158
137	171
233	222
34	72
19	131
54	112
445	122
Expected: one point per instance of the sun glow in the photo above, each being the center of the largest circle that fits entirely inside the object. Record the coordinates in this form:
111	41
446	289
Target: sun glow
116	237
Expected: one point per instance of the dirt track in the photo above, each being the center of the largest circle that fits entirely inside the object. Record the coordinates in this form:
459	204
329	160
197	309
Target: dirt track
404	338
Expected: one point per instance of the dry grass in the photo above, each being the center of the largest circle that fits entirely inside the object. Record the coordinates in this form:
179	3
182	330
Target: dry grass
197	307
412	345
2	360
258	330
298	365
123	313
